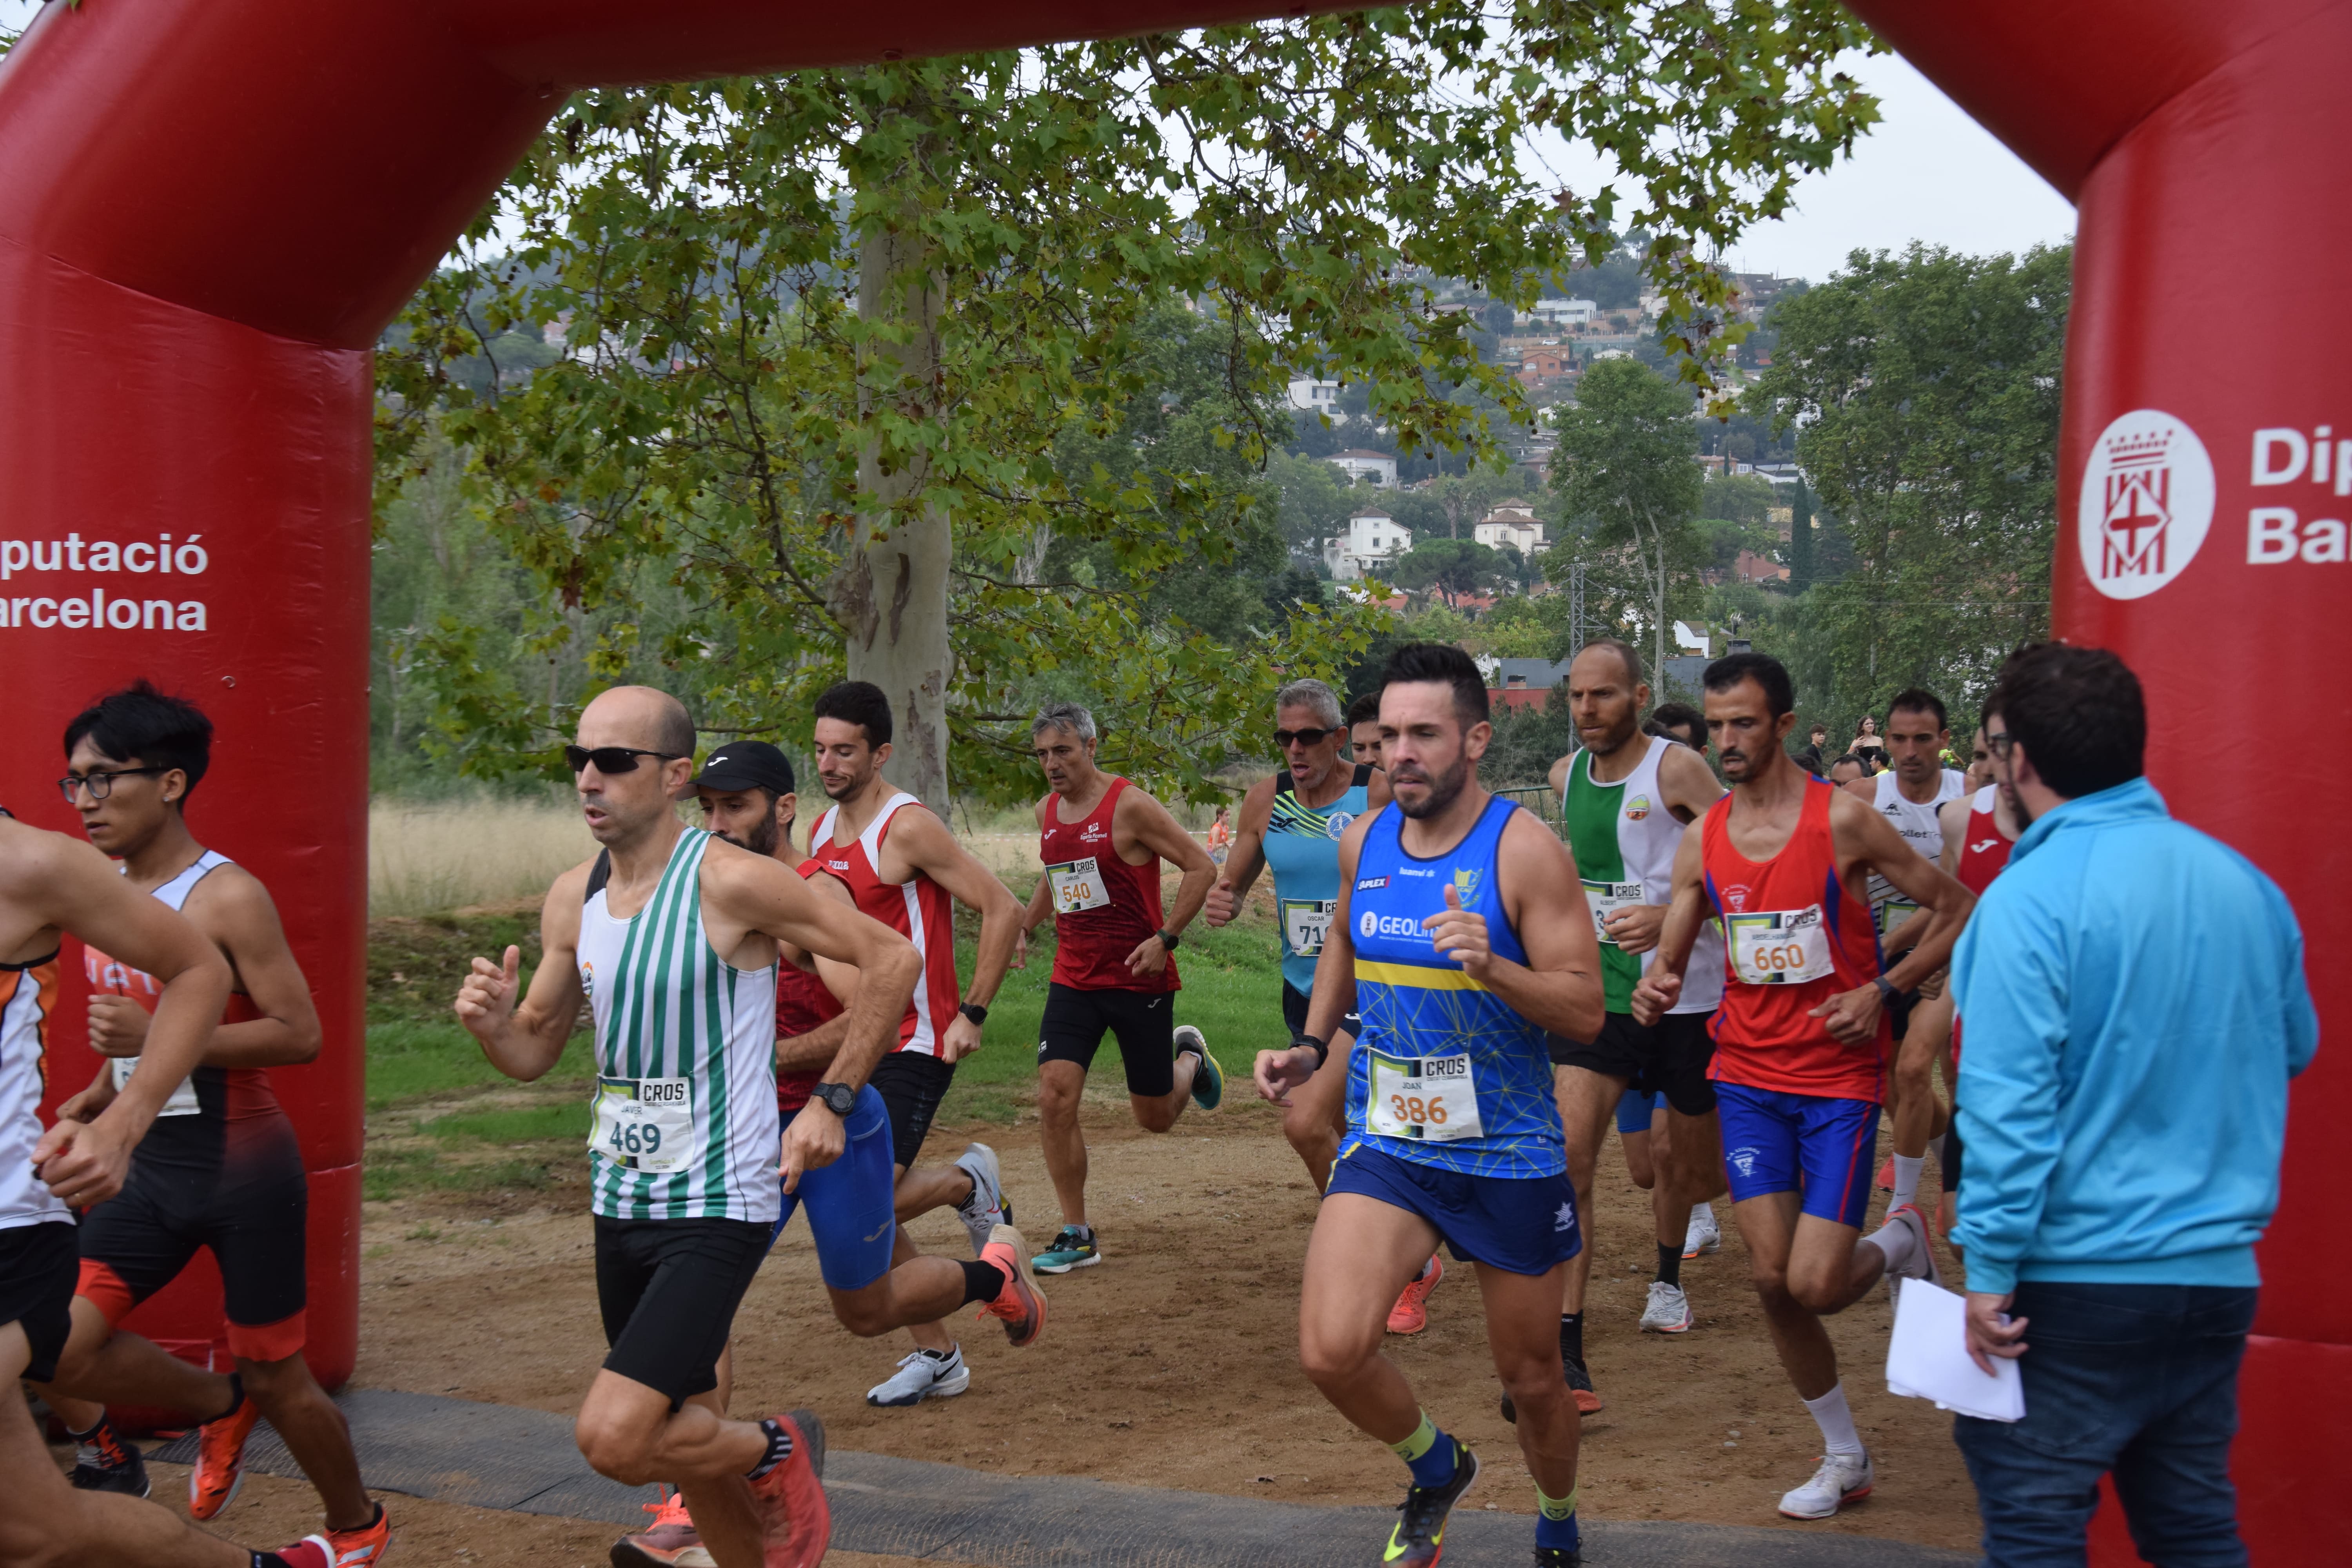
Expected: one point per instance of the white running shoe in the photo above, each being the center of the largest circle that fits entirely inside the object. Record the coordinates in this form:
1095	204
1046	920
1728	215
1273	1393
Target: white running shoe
925	1375
984	1210
1703	1236
1668	1312
1842	1479
1921	1262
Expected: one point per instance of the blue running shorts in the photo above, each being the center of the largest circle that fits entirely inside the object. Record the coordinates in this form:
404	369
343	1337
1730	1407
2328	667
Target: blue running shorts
1521	1225
851	1214
1633	1110
1774	1141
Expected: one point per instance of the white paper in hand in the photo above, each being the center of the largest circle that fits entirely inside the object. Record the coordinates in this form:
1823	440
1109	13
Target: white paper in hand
1927	1358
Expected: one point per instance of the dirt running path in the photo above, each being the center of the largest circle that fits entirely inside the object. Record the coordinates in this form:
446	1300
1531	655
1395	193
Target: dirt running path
1173	1364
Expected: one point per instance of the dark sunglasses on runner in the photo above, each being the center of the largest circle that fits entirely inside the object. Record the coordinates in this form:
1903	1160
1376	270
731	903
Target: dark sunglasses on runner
1283	737
611	760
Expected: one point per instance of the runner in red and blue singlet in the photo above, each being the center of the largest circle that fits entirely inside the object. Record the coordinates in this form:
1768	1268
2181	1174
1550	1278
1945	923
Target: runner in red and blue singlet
1801	1042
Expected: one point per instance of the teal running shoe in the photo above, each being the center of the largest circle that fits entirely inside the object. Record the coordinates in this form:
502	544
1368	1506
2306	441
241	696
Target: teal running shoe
1072	1248
1209	1083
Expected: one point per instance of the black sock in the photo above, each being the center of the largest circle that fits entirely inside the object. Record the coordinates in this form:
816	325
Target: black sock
268	1559
235	1397
95	1428
981	1282
1670	1262
779	1449
1572	1338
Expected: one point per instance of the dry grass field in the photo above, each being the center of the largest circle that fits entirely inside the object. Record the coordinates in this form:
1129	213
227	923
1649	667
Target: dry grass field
429	856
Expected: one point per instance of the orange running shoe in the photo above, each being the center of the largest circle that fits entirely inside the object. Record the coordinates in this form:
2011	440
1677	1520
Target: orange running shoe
1886	1175
219	1472
672	1542
364	1547
1411	1313
1021	1304
795	1521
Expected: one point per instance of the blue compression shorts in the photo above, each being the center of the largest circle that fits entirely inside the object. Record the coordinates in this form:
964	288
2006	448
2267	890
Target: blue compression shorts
1774	1141
851	1213
1519	1225
1634	1109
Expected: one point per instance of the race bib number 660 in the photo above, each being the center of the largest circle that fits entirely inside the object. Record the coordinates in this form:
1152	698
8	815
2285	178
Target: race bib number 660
645	1124
1779	947
1432	1098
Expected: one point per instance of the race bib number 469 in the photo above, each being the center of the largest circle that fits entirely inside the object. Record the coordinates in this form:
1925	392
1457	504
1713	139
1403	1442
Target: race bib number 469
1781	947
1432	1098
645	1124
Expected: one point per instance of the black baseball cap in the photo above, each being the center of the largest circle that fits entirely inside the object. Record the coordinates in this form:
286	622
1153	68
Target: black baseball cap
747	764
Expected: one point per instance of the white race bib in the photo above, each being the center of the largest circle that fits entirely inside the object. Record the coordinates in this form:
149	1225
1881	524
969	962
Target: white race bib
1606	899
1077	885
184	1099
1781	947
1434	1098
1893	913
645	1124
1305	923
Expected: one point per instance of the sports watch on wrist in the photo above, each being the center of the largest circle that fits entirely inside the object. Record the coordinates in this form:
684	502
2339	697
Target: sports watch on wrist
974	1011
837	1098
1168	939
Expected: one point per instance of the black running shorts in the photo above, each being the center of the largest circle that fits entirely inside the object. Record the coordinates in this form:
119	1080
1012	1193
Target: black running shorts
1144	1021
1669	1056
137	1242
911	1086
669	1290
1293	1013
38	1264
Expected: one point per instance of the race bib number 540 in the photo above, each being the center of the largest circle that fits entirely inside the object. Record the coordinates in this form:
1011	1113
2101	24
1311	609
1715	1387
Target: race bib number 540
1077	885
645	1124
1781	947
1433	1098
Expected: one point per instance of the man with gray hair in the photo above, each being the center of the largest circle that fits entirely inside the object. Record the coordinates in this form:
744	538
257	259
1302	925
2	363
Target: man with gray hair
1102	840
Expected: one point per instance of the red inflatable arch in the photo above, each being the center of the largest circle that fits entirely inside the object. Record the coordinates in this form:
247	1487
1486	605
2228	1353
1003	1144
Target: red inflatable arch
210	208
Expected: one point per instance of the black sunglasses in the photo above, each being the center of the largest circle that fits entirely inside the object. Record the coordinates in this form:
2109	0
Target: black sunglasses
1283	737
101	785
610	760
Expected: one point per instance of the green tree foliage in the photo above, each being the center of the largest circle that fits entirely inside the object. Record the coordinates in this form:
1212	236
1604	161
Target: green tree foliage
1925	390
1129	246
1452	566
1625	480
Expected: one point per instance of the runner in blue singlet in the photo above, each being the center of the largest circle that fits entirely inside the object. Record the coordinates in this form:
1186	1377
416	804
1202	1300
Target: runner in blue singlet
1462	931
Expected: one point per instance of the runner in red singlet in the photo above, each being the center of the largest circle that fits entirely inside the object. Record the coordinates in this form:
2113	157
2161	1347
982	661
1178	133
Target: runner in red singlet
1102	840
220	1170
1802	1039
903	867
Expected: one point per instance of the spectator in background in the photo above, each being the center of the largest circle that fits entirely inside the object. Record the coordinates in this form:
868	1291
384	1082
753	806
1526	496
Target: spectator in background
1817	742
1221	835
1867	745
1847	769
2134	1003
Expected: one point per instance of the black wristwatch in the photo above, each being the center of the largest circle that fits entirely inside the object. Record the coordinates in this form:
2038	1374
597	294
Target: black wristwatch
974	1011
1304	1041
837	1098
1168	939
1890	996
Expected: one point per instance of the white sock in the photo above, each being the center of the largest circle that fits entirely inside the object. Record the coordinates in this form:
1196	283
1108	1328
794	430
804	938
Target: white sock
1896	1239
1836	1422
1702	1213
1906	1179
1428	1266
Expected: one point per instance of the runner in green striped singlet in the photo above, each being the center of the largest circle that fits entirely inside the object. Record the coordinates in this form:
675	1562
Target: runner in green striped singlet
671	935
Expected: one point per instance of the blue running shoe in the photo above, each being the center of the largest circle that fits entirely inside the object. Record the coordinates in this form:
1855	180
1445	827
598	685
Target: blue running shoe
1209	1083
1073	1249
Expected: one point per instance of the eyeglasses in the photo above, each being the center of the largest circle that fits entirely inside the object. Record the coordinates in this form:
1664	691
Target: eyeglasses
1999	744
611	760
1283	738
100	785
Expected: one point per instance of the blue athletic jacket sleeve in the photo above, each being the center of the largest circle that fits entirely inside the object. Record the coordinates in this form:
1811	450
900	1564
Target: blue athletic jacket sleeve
2132	1000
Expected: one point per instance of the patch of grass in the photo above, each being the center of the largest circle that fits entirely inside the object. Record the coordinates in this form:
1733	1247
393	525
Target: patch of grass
410	1060
565	1120
401	1173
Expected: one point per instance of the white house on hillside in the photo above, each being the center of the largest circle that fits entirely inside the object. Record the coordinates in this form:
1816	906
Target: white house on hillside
1311	396
1356	464
1512	522
1373	541
1565	312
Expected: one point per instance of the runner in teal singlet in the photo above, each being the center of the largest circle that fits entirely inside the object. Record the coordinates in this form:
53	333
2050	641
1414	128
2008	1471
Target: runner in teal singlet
1462	928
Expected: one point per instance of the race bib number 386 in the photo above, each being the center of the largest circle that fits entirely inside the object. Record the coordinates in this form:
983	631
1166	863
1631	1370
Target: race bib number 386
645	1124
1433	1098
1781	947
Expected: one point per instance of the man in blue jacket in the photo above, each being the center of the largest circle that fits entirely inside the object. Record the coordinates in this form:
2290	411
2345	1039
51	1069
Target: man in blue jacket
2134	1002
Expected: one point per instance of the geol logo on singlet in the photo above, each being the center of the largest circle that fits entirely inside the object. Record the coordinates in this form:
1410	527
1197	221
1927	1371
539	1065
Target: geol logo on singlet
1372	923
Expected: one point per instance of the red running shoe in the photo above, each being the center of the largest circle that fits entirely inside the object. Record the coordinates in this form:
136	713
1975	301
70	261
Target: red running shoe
1411	1313
668	1545
795	1521
310	1552
364	1547
219	1472
1020	1304
1886	1175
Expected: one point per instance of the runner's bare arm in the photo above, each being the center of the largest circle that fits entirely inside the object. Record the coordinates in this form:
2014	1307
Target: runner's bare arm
1687	788
1659	989
1144	823
1866	841
932	849
1278	1072
1245	858
1559	986
522	1034
1952	817
1559	775
72	888
234	908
